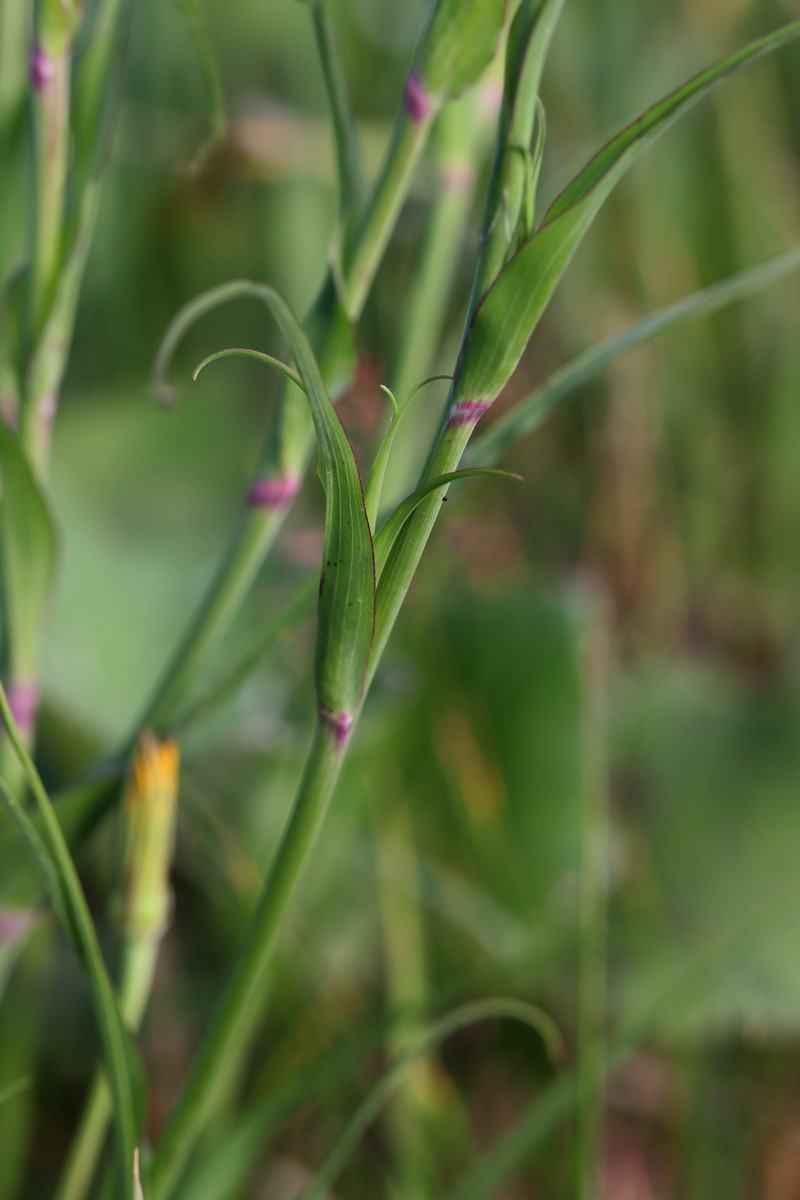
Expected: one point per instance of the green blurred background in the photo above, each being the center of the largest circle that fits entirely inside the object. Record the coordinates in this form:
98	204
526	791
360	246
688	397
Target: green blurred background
579	773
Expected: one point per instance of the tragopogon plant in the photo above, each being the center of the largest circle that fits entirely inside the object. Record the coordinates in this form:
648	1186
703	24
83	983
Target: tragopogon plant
370	552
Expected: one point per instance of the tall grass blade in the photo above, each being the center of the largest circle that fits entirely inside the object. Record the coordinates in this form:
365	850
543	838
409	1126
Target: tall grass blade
528	414
368	1110
506	318
346	609
48	848
349	167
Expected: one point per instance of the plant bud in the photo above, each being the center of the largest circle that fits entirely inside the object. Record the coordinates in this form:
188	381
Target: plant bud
149	810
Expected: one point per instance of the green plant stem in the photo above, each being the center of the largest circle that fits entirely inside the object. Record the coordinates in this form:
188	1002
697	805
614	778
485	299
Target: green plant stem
51	121
409	139
592	905
138	968
20	1037
404	950
289	447
58	869
229	1022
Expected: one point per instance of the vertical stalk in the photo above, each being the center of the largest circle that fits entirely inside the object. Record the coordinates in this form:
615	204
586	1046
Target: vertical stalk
218	1049
592	906
50	84
134	991
403	941
141	906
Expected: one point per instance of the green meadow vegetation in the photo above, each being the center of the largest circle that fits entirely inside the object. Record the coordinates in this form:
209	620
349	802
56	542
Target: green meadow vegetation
399	512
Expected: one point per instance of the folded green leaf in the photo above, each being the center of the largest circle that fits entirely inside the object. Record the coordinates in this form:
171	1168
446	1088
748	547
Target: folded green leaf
520	122
509	313
28	547
529	413
346	609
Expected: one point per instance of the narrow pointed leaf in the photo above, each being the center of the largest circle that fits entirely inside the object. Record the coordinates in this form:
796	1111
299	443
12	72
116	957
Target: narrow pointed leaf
346	608
370	1107
374	487
28	547
349	167
388	532
244	352
529	413
48	849
506	318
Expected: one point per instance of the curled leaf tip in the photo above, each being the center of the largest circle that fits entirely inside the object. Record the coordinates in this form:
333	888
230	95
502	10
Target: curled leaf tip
41	69
416	101
273	493
166	395
467	412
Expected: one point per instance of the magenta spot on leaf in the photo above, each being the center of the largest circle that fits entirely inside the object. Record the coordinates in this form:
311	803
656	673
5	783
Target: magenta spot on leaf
42	68
339	722
23	700
467	412
273	493
15	923
415	100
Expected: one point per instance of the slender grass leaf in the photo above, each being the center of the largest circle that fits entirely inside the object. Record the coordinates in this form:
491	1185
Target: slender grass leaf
368	1110
346	608
244	352
49	850
388	533
512	184
372	492
507	316
95	104
529	413
28	544
349	166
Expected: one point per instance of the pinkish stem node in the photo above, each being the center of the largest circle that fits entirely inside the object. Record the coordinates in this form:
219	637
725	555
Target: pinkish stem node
41	68
467	412
339	722
23	700
415	100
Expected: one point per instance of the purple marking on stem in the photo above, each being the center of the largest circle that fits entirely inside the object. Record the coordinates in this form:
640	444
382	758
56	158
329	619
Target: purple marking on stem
23	700
41	68
15	923
339	722
415	99
273	493
467	412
